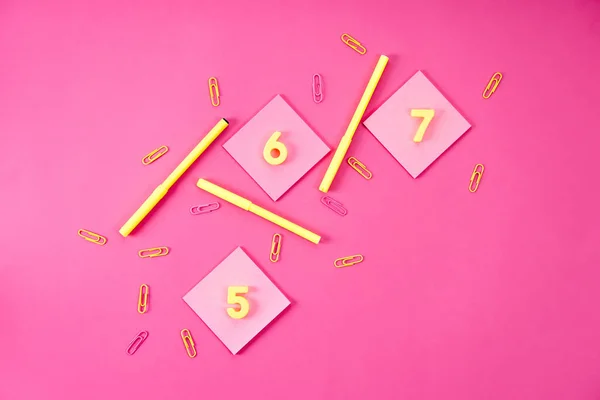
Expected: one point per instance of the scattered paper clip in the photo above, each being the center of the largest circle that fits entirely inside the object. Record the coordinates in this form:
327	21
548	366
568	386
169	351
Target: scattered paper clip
188	342
348	261
154	155
213	90
204	208
317	88
92	237
360	168
353	44
476	177
143	298
492	85
137	342
153	252
334	205
275	248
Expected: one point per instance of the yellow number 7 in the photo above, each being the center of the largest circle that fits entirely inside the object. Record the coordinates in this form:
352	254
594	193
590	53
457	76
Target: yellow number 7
427	116
234	298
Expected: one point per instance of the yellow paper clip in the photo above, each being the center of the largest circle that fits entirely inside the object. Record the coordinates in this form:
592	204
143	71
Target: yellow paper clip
492	85
92	237
153	252
360	168
275	248
213	90
188	342
154	155
143	298
348	261
353	43
476	177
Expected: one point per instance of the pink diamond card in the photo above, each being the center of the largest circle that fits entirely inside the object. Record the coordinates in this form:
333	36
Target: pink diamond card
394	127
304	147
209	298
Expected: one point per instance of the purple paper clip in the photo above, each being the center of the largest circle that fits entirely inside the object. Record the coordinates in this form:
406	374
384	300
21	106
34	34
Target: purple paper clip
317	87
137	342
204	208
334	205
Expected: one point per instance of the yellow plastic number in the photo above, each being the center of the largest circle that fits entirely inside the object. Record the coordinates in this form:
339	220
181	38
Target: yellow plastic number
234	298
279	148
427	116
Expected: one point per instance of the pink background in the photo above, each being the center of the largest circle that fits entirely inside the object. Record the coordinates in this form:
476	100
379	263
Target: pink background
492	295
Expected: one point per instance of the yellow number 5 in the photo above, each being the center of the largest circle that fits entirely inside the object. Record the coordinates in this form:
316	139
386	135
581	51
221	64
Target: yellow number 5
234	298
427	116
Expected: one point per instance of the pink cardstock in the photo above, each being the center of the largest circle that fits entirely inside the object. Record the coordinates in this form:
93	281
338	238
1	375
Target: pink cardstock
304	147
394	127
208	299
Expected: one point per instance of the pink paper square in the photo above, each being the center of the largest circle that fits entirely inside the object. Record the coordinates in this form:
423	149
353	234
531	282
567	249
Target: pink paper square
304	147
208	299
393	126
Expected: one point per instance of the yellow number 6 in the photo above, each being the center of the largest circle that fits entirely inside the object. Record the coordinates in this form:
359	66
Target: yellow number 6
427	116
277	147
234	298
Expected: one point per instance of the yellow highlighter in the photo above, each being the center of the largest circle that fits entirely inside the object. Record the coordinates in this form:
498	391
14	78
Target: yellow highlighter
164	187
342	148
247	205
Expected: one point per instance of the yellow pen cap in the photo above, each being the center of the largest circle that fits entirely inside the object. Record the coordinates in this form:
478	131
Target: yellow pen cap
284	223
224	194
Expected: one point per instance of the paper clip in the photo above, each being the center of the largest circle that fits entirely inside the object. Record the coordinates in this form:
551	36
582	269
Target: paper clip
360	168
153	252
213	90
188	342
492	85
143	298
204	208
476	177
154	155
92	237
275	248
348	261
317	88
334	205
353	44
137	342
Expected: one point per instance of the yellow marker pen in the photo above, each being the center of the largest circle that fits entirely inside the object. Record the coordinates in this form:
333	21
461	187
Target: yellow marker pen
247	205
164	187
342	148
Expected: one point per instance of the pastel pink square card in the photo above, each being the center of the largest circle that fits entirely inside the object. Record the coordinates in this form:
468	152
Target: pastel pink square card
394	126
304	148
236	300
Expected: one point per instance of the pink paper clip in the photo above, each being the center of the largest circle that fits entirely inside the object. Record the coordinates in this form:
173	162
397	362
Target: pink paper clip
204	208
317	87
334	205
137	342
